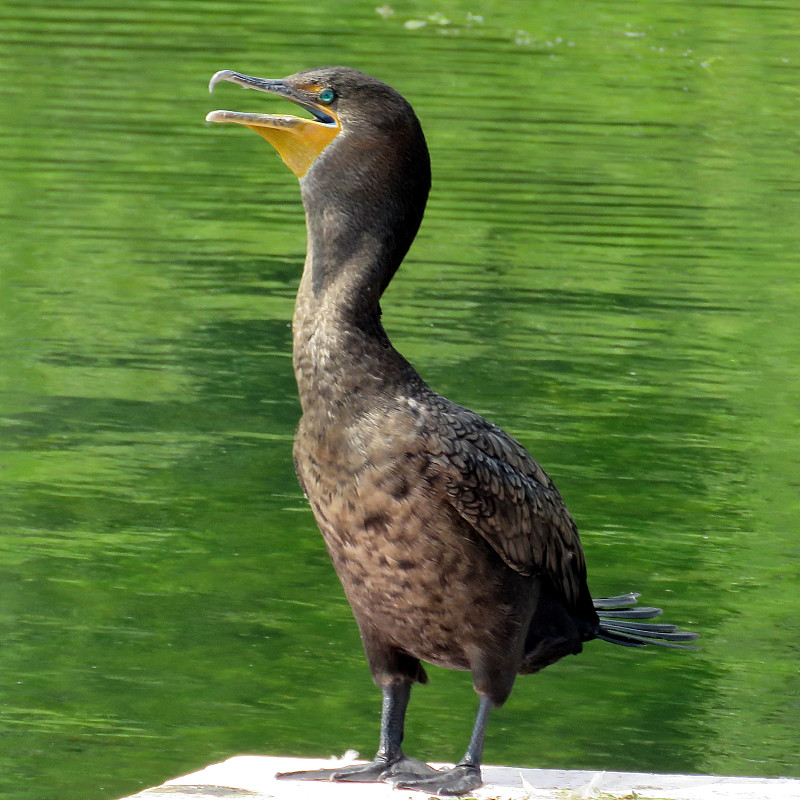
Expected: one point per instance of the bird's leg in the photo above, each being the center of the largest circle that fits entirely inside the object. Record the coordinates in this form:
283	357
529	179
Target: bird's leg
474	755
389	760
464	776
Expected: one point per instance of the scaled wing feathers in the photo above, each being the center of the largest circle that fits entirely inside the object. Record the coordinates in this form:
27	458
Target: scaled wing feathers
496	486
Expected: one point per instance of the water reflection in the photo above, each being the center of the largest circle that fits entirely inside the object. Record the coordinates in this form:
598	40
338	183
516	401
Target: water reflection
607	269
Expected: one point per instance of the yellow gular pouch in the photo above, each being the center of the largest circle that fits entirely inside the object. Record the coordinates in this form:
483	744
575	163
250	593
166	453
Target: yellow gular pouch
298	141
298	145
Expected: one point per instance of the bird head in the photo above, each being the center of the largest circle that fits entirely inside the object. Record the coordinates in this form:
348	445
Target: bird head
343	103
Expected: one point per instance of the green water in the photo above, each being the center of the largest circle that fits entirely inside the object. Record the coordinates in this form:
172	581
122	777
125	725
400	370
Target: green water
608	268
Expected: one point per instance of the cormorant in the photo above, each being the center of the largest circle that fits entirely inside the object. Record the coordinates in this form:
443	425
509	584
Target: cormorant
451	542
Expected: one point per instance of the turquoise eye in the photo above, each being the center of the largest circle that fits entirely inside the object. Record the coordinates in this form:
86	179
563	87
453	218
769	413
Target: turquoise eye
327	95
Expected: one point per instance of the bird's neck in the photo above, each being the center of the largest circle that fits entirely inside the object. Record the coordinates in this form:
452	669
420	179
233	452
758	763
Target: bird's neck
341	353
361	221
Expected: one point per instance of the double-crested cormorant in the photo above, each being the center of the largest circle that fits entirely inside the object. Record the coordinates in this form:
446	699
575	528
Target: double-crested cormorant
452	544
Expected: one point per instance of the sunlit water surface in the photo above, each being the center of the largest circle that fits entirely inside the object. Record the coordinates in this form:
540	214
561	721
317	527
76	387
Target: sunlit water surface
608	269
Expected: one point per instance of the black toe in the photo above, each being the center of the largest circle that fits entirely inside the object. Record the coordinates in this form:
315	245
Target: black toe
452	782
373	772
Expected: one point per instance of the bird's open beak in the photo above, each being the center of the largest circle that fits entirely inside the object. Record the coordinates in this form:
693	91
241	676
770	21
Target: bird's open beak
298	141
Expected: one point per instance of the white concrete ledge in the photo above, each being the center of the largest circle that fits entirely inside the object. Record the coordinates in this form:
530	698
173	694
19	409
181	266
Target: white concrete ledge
252	778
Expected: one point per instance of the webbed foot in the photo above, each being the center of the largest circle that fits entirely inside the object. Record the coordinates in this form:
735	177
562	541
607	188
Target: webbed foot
373	772
450	782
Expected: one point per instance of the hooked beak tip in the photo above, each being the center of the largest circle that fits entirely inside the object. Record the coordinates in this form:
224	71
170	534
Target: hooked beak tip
222	75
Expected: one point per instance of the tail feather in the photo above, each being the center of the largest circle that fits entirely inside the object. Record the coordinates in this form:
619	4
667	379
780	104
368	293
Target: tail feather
645	612
617	625
639	627
620	601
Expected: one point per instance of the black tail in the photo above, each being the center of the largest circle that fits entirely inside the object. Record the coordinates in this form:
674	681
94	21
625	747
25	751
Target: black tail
619	624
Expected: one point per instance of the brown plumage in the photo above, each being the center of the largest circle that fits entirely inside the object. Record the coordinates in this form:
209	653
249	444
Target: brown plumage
451	542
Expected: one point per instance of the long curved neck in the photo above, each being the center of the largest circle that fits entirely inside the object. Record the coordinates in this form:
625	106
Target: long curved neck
361	219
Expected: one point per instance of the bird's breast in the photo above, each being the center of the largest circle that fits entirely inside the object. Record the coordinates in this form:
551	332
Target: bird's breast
409	564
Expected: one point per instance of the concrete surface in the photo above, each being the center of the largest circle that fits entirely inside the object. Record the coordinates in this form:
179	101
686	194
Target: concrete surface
252	778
